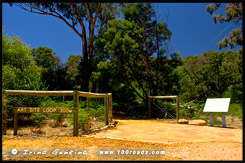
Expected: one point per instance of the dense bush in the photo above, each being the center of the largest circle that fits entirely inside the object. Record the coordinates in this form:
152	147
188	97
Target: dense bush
57	117
38	119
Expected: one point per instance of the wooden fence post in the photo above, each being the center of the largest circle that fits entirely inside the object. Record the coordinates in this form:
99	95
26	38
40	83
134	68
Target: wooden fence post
106	102
16	123
149	108
111	108
4	118
75	119
87	102
177	107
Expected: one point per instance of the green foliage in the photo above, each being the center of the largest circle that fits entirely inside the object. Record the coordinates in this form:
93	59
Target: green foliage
19	72
236	110
84	116
4	113
97	112
168	105
54	74
234	13
234	92
38	119
45	57
183	112
95	14
57	117
19	69
131	60
118	39
210	75
72	65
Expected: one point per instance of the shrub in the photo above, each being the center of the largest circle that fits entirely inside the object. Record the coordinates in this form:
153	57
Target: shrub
38	119
57	117
182	112
83	116
236	110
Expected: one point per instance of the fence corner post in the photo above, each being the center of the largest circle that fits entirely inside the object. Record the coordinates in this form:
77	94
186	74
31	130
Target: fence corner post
110	107
76	107
177	107
106	103
149	108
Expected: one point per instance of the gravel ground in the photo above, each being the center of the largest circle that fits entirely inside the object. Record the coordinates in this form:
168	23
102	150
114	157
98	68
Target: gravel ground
60	138
177	151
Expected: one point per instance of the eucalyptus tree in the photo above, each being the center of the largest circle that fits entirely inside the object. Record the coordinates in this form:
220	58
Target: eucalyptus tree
131	43
211	74
75	16
155	33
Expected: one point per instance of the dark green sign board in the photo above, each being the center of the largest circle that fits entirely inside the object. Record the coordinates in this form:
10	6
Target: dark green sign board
44	110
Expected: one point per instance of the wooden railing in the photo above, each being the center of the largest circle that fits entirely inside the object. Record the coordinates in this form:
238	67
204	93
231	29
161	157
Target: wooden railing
76	94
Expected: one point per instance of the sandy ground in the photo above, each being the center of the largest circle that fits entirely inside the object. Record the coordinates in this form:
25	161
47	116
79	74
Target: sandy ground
167	141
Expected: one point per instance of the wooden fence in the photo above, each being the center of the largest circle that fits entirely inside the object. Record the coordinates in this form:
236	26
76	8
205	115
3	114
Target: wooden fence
163	97
75	93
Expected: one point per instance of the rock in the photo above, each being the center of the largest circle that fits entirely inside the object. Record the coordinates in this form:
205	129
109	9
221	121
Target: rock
197	122
183	121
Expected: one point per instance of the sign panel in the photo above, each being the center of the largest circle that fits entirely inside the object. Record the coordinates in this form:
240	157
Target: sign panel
217	105
43	110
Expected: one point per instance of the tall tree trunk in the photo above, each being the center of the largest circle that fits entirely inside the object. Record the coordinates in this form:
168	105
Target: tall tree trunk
85	66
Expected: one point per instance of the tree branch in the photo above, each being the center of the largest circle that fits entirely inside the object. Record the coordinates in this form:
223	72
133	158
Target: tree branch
41	12
79	18
89	12
96	13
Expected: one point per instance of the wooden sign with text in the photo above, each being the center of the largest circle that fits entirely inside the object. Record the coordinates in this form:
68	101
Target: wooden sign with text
43	110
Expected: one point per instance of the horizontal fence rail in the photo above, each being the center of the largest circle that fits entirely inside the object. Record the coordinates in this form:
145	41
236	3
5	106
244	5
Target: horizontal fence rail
39	93
95	95
54	93
75	93
163	97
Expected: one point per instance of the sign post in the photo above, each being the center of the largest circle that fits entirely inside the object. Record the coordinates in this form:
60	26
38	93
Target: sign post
217	105
15	123
211	119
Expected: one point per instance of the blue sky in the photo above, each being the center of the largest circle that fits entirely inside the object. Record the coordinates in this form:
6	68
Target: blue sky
193	29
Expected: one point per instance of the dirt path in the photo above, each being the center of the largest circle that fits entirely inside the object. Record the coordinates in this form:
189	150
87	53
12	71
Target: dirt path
175	141
160	132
